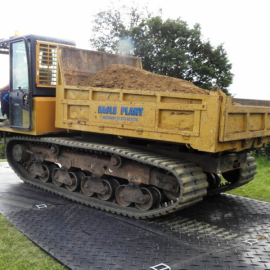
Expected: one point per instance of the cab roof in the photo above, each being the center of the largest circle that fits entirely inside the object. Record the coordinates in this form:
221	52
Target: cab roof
4	43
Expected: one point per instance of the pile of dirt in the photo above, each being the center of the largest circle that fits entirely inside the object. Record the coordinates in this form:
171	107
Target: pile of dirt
131	78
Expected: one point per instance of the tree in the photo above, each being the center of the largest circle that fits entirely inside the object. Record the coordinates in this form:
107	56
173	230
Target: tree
166	47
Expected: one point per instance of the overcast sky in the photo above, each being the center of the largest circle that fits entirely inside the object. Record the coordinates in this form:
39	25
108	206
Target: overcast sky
241	25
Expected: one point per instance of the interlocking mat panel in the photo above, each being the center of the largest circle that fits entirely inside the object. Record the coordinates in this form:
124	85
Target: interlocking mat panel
221	232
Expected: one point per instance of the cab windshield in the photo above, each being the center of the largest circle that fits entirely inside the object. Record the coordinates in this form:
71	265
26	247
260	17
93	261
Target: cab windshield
19	66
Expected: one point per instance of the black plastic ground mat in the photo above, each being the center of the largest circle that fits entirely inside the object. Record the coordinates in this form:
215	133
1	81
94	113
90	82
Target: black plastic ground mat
221	232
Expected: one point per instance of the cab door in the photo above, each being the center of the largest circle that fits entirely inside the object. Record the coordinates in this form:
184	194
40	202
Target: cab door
20	93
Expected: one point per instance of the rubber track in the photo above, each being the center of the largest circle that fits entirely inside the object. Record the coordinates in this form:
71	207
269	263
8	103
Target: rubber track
192	180
246	175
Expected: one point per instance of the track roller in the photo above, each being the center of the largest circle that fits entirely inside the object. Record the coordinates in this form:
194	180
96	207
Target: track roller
120	198
48	169
152	198
85	187
76	182
110	187
55	177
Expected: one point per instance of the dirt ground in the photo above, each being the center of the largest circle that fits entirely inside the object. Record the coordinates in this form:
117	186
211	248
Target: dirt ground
131	78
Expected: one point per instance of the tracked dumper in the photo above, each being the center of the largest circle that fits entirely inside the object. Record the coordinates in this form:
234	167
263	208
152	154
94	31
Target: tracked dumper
118	138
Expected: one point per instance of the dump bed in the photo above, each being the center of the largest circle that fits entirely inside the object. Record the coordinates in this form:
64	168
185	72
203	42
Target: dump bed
209	122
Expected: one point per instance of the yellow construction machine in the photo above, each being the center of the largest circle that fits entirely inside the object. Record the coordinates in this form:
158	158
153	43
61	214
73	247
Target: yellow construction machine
135	152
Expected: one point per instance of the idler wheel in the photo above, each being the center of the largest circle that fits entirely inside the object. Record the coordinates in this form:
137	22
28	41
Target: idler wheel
20	153
54	177
171	195
151	198
119	197
85	187
76	182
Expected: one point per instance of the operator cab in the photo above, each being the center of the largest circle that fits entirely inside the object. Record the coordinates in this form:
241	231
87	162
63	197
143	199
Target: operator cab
32	73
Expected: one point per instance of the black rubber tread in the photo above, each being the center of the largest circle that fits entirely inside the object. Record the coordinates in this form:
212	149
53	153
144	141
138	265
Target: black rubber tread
246	175
192	189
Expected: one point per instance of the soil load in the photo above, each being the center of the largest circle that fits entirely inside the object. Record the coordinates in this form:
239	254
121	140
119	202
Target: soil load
131	78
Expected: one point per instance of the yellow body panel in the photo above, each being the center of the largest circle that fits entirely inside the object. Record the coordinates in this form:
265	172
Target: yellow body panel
193	120
243	121
210	123
43	118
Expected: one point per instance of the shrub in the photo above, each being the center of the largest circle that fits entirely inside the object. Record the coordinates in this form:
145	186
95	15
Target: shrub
2	151
262	152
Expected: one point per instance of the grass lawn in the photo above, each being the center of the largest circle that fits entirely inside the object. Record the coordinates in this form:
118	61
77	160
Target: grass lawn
18	252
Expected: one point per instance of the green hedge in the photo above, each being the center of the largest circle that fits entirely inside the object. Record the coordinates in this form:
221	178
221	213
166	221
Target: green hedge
2	151
262	152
